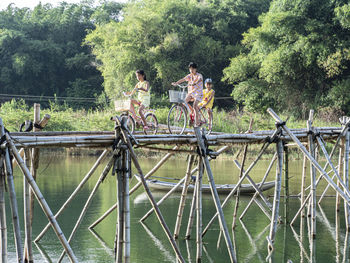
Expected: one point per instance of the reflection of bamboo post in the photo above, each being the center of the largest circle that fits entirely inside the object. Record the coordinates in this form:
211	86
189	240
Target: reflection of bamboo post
199	211
261	185
3	227
127	208
137	185
215	195
75	192
87	203
13	200
276	199
183	197
191	215
28	251
42	201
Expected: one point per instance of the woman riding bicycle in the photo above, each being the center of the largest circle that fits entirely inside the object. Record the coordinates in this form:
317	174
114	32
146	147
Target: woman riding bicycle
195	90
143	98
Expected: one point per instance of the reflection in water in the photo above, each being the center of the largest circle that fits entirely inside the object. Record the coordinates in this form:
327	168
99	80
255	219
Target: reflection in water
43	252
102	242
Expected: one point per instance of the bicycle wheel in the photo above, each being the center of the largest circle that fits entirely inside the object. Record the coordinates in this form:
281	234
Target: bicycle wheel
152	123
177	119
204	121
130	122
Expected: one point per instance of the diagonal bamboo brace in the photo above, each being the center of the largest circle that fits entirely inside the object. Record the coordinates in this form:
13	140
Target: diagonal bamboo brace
308	155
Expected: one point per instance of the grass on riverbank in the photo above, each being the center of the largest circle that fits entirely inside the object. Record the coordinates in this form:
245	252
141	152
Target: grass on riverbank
63	118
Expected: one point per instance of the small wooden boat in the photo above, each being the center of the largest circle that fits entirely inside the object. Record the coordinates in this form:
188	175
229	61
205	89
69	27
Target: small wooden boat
221	188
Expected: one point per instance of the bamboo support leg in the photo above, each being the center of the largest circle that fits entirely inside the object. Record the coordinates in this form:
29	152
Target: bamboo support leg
314	162
261	184
13	199
28	251
150	196
199	212
152	171
286	184
87	203
312	208
346	178
302	190
215	195
127	174
120	233
163	199
277	195
42	202
3	227
183	197
75	192
192	213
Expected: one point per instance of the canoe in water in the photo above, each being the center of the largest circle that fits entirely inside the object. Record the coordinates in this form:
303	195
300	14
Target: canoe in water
221	188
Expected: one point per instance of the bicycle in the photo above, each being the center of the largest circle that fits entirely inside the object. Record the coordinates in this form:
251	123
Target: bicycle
177	116
123	106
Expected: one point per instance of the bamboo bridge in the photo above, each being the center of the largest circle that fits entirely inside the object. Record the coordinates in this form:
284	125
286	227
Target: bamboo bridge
22	149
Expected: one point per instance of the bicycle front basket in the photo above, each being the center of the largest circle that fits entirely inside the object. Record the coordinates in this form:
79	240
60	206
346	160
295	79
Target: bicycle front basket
176	96
122	105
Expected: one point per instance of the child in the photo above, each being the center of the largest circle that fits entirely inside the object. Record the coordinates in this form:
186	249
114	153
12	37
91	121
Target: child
195	90
143	98
208	100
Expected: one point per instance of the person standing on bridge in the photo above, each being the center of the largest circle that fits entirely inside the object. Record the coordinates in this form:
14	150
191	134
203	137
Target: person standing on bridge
195	90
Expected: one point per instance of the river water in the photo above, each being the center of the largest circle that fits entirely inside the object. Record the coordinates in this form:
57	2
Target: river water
59	175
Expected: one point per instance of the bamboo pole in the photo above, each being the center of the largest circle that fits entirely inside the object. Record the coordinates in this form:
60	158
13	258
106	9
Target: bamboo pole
3	227
346	179
183	197
138	184
276	200
42	201
172	190
215	195
148	192
286	184
120	161
75	192
314	162
87	203
199	212
127	174
260	186
192	213
28	250
303	178
313	177
13	199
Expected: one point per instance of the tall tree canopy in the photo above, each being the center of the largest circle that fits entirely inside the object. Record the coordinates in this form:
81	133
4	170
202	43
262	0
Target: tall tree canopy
41	50
162	37
298	58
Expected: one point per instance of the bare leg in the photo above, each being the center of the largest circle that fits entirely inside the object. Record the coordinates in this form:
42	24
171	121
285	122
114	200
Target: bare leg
210	118
188	99
142	107
132	108
196	112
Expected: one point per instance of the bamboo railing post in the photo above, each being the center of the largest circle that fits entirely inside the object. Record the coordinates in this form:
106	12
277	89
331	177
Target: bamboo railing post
138	184
314	162
191	214
88	201
126	140
3	227
183	197
215	195
28	251
127	174
199	212
277	195
313	176
346	179
75	192
42	201
13	199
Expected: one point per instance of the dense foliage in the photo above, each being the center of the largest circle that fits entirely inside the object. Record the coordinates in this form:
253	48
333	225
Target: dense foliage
41	50
162	37
297	59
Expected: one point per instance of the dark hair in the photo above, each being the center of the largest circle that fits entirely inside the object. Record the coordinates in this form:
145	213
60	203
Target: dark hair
192	65
141	72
